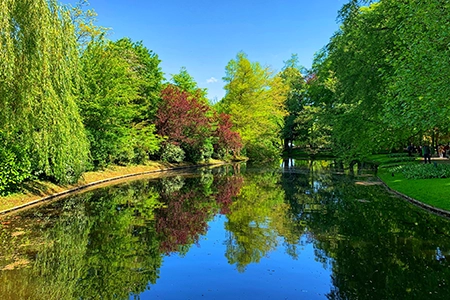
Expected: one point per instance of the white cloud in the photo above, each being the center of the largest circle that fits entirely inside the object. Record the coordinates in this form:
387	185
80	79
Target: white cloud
211	80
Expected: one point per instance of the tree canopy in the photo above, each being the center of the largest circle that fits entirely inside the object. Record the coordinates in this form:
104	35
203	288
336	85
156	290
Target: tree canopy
71	99
255	100
381	79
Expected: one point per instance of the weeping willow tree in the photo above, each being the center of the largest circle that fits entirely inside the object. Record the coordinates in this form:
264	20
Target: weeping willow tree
40	127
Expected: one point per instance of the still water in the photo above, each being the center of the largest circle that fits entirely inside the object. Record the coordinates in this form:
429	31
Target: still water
303	231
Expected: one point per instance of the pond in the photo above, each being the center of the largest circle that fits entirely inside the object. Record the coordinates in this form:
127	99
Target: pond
306	230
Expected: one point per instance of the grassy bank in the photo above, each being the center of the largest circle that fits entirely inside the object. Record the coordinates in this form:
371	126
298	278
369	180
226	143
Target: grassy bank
37	189
434	192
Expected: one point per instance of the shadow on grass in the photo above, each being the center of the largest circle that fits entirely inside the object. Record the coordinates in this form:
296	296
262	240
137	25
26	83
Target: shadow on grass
37	188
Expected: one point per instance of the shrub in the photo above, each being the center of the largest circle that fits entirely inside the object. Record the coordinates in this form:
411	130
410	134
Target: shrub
172	153
14	169
227	142
423	171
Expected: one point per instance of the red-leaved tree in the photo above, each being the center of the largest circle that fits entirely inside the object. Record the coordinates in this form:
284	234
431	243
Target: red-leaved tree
182	118
227	140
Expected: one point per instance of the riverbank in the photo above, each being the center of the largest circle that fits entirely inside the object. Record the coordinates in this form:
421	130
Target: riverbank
433	193
37	191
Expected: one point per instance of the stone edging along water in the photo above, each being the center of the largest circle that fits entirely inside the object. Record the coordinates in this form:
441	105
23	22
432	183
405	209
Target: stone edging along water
97	183
430	208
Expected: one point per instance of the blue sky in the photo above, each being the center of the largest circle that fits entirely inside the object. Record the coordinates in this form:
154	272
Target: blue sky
204	36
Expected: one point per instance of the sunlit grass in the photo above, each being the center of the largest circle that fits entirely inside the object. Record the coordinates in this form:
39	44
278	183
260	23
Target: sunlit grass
434	192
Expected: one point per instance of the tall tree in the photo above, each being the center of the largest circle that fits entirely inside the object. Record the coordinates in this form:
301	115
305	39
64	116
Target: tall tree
84	20
121	84
254	99
38	77
387	66
293	78
418	88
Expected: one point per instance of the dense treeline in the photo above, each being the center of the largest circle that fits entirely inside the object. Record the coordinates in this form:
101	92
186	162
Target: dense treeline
71	100
382	81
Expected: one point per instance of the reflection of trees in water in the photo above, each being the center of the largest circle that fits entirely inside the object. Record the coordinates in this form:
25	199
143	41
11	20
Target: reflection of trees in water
377	246
227	189
185	214
110	243
93	245
256	219
182	220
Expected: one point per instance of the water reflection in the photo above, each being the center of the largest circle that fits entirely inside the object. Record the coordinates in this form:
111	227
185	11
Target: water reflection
308	232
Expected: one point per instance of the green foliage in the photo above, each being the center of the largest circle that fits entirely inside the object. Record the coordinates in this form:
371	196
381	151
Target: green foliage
254	99
187	83
380	82
145	142
200	153
15	167
38	81
423	171
207	149
84	21
418	89
120	94
295	100
172	153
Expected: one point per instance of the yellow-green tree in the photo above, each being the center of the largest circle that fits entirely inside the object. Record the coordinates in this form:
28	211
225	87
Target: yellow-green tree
38	76
255	100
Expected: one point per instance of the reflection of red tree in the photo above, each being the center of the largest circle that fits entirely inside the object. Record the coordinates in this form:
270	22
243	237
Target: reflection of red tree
186	215
182	221
228	187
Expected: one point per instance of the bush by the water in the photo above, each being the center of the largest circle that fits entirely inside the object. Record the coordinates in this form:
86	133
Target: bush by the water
172	153
14	168
423	171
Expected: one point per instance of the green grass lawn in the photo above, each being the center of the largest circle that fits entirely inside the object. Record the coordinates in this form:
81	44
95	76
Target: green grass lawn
434	192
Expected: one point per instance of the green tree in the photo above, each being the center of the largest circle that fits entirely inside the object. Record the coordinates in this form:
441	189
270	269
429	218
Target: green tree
351	80
254	99
418	91
38	79
121	84
293	78
381	79
187	83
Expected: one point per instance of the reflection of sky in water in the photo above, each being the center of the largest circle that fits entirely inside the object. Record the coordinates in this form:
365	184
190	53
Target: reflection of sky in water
204	273
317	185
